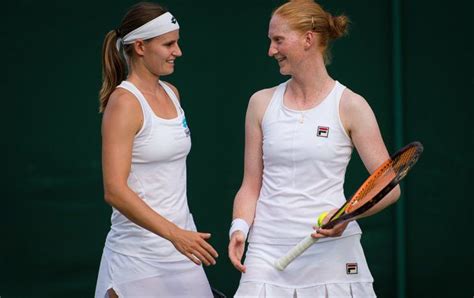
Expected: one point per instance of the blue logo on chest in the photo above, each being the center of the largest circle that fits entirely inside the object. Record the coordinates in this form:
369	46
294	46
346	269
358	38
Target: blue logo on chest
185	126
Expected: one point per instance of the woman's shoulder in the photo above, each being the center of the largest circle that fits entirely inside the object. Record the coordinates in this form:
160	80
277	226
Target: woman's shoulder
121	97
262	97
259	102
122	101
352	101
122	113
175	90
354	109
264	93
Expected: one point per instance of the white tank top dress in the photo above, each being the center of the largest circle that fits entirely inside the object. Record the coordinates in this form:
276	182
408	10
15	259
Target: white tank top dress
137	262
305	156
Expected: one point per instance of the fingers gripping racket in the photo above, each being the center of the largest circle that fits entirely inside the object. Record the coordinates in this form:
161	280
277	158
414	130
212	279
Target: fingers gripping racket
379	184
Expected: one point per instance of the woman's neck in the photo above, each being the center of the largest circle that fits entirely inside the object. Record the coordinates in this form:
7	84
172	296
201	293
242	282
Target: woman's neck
145	83
311	84
144	80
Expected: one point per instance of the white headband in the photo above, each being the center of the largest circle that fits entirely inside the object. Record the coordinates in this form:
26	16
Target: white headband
158	26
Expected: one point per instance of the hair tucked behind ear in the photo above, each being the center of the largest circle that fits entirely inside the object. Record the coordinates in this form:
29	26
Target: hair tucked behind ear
114	67
307	15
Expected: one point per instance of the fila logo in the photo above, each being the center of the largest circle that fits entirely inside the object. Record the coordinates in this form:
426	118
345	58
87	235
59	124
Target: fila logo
323	131
351	268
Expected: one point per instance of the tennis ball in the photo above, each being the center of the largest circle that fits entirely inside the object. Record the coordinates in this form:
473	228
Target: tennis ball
321	218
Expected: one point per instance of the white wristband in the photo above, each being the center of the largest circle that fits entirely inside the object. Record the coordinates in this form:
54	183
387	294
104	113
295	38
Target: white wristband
239	224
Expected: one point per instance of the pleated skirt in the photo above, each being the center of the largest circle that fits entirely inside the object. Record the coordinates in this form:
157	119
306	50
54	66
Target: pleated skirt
335	268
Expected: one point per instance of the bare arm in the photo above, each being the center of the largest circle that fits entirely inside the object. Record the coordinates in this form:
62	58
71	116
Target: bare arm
121	121
360	123
246	198
366	136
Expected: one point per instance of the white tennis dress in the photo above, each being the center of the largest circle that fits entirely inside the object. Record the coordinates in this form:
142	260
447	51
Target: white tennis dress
135	261
305	156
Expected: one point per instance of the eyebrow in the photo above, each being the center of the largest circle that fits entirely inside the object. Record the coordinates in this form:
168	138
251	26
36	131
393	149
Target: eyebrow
171	40
275	36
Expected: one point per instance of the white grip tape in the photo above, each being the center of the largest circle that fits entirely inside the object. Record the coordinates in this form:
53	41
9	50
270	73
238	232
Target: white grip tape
297	250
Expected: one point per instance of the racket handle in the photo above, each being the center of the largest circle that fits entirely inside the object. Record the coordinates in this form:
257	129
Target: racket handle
297	250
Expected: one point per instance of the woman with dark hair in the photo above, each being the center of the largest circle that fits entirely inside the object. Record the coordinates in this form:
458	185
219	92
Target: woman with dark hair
299	139
152	249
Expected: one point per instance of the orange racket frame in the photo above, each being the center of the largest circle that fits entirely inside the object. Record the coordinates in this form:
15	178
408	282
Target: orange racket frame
378	185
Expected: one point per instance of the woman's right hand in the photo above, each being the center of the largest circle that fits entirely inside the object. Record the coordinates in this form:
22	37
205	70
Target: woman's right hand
236	250
335	231
194	246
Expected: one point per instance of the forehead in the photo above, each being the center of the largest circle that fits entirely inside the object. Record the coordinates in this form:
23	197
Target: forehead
278	27
172	35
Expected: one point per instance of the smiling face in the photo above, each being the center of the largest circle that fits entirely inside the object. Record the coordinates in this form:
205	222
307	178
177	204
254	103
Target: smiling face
160	53
287	46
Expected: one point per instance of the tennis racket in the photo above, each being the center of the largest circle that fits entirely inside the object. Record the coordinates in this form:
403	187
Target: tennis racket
379	184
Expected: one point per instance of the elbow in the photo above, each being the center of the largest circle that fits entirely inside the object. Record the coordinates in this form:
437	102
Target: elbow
396	194
108	198
111	196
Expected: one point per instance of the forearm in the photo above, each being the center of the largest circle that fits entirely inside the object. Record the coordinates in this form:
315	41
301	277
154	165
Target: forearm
131	206
245	204
388	200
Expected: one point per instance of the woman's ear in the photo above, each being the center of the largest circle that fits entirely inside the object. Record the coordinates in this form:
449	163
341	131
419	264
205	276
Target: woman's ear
139	47
309	39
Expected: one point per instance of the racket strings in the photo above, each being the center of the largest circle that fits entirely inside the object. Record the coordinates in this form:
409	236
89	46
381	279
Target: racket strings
403	162
392	169
379	180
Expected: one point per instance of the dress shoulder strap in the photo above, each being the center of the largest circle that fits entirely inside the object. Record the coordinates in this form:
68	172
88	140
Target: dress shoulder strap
275	103
138	95
172	95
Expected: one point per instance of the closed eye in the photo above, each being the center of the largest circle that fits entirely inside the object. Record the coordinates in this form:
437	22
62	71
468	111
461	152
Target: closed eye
277	39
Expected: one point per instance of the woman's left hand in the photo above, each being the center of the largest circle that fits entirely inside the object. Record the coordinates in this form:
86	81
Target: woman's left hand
335	231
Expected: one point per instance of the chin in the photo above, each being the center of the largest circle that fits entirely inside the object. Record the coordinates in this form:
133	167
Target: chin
284	72
167	72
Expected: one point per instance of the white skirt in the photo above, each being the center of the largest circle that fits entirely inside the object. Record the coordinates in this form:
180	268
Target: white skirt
142	277
262	290
335	268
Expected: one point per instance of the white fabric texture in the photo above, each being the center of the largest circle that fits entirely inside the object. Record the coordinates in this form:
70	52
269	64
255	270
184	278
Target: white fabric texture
137	262
261	290
305	155
303	173
143	277
158	177
158	26
323	263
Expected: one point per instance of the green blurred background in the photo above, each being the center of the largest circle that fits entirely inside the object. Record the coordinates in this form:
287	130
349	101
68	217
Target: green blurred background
411	60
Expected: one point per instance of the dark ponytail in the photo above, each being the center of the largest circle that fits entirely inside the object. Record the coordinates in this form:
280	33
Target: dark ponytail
114	67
